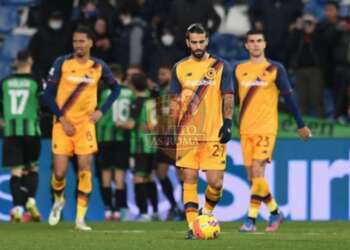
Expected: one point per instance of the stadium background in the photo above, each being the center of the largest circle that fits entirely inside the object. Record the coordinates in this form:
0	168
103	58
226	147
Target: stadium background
310	180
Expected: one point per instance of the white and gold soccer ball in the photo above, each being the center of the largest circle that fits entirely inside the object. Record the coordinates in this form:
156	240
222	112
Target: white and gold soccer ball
206	227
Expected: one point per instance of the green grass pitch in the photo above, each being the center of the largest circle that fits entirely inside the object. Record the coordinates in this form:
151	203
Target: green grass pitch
170	235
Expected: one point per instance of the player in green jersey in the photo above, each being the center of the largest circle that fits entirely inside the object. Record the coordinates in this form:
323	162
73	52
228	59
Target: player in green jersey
143	121
114	143
163	160
21	149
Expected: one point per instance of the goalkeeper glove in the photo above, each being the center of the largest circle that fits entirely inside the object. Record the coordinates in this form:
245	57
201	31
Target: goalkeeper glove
225	131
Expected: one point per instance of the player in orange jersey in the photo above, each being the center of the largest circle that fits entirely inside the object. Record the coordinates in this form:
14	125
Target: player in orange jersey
201	108
75	78
260	81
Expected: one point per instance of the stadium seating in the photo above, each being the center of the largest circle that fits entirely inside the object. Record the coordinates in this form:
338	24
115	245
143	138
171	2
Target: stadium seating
18	2
12	44
5	68
9	19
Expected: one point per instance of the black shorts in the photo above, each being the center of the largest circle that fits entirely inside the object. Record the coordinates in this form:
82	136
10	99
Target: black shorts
144	164
161	157
113	155
20	151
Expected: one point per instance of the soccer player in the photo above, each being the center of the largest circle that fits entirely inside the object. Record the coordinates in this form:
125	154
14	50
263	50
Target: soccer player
114	149
201	109
21	149
143	121
162	159
74	78
260	81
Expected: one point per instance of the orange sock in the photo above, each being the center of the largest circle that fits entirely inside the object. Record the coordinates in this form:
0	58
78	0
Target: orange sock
84	190
212	197
190	200
58	187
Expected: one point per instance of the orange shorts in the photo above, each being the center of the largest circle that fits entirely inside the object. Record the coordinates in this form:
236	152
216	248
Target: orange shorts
257	147
204	156
82	143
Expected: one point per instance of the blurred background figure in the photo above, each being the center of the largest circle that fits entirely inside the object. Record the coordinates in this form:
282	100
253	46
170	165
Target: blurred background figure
103	43
275	17
305	58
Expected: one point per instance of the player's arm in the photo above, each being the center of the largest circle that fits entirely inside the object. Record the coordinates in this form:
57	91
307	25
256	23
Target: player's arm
50	94
51	87
286	91
107	78
227	91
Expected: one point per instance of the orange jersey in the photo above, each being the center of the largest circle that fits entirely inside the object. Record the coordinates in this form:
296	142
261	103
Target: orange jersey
259	87
77	86
200	84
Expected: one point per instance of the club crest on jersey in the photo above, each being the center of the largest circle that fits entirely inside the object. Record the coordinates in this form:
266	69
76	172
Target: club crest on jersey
210	74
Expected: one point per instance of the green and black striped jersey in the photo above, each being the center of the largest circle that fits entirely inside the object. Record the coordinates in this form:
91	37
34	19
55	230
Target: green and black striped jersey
107	129
19	94
144	113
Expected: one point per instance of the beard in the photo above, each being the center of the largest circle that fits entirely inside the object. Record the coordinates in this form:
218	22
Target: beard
198	53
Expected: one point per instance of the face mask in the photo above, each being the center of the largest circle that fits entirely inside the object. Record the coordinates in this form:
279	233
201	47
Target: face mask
167	39
125	19
55	24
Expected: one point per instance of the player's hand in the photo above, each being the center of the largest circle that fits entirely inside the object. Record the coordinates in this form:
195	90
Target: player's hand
67	127
95	116
225	131
304	133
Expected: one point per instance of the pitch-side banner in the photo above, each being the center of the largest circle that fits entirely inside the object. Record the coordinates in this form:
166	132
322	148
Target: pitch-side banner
287	127
310	181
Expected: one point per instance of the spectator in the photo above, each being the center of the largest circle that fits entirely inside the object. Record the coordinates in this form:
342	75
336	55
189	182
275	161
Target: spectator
103	44
185	12
335	36
128	40
275	17
88	13
166	53
342	72
305	59
48	43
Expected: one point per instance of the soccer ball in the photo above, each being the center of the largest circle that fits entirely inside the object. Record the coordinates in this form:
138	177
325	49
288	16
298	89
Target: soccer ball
206	227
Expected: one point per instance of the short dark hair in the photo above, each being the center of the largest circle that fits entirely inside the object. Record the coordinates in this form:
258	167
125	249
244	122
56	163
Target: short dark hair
334	3
85	30
23	56
116	69
253	32
197	28
139	81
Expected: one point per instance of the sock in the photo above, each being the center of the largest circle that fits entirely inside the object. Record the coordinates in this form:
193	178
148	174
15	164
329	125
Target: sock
271	204
259	190
15	187
168	190
152	194
120	199
84	190
140	197
58	187
190	200
212	197
31	183
107	197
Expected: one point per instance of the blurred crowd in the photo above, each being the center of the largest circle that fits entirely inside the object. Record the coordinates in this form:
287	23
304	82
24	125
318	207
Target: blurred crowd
312	38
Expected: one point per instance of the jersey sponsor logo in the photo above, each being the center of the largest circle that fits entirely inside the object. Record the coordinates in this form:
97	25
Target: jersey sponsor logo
79	79
199	82
257	82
